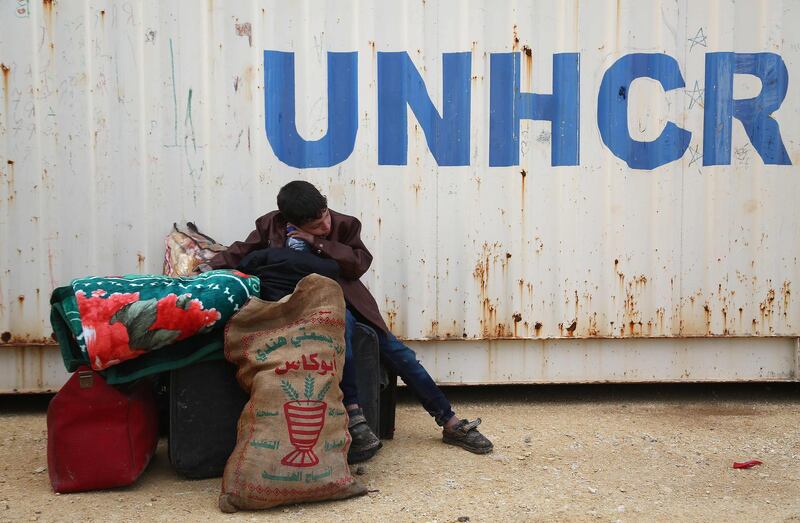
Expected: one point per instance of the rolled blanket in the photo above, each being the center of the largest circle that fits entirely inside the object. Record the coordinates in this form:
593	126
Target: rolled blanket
117	318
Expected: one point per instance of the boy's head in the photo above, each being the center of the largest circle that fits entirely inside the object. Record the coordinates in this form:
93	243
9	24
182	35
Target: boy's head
305	207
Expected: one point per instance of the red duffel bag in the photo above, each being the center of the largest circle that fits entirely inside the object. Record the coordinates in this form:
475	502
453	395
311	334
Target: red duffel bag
99	436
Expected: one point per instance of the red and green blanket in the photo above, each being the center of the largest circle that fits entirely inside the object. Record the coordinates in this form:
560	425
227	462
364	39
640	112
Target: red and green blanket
116	318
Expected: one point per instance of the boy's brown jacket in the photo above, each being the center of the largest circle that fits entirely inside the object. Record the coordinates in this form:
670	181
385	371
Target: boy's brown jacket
342	244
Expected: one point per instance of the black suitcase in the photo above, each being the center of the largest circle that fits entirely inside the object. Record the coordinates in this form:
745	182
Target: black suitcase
205	402
388	404
377	388
368	377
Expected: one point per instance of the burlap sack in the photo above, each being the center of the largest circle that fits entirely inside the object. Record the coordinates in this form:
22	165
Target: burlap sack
292	435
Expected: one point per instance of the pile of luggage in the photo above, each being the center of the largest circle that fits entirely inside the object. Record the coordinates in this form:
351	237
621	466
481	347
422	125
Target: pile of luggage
276	381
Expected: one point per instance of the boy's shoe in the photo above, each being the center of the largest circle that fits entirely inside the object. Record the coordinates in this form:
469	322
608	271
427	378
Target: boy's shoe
365	444
466	435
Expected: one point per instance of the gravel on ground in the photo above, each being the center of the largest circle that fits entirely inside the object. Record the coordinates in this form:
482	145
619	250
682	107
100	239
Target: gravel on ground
562	453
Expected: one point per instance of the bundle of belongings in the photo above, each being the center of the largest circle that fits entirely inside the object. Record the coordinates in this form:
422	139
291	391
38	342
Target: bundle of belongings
292	438
106	321
186	248
127	327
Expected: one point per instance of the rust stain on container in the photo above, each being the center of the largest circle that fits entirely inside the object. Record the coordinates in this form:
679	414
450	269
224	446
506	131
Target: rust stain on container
9	339
6	71
481	272
434	332
767	308
10	181
516	38
725	330
245	29
491	255
48	12
593	329
620	275
786	294
391	317
660	320
140	262
501	330
527	60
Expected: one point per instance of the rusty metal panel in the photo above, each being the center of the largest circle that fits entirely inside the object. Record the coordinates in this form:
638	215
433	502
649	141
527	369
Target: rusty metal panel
608	360
31	369
117	119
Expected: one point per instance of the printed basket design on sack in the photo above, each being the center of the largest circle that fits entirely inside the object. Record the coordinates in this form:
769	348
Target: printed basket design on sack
292	436
304	419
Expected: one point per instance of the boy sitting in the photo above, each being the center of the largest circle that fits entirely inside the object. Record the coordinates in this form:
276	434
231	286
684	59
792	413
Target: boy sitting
303	215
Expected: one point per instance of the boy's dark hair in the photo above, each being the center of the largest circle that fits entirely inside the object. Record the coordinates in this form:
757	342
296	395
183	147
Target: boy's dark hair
300	202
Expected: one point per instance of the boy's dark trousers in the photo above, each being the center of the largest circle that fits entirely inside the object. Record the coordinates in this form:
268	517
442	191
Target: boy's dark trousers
401	360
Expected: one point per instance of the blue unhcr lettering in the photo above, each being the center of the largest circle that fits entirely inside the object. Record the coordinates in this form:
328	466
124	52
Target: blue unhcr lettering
507	106
400	84
612	111
754	113
279	97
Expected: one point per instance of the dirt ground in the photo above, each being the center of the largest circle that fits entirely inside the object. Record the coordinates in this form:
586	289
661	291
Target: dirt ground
565	453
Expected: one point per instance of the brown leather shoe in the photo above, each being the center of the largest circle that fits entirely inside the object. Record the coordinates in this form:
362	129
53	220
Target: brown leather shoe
466	435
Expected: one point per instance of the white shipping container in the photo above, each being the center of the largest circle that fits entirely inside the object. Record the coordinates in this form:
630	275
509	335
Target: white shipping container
633	220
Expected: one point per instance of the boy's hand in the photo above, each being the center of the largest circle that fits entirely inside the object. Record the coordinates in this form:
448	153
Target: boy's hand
301	235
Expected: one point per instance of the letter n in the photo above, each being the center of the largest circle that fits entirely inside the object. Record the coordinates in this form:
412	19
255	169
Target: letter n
400	84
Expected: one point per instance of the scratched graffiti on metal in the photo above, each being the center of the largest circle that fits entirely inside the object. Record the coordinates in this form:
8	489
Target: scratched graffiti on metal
22	8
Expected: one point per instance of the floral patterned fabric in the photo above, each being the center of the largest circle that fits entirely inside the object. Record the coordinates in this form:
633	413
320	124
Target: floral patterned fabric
117	318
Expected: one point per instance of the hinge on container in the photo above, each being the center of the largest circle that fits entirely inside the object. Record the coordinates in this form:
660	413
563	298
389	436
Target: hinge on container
85	379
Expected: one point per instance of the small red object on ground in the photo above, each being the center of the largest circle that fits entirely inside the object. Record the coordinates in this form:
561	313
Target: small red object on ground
746	464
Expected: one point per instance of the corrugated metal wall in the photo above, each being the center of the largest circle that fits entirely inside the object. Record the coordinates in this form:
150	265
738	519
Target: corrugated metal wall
118	118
